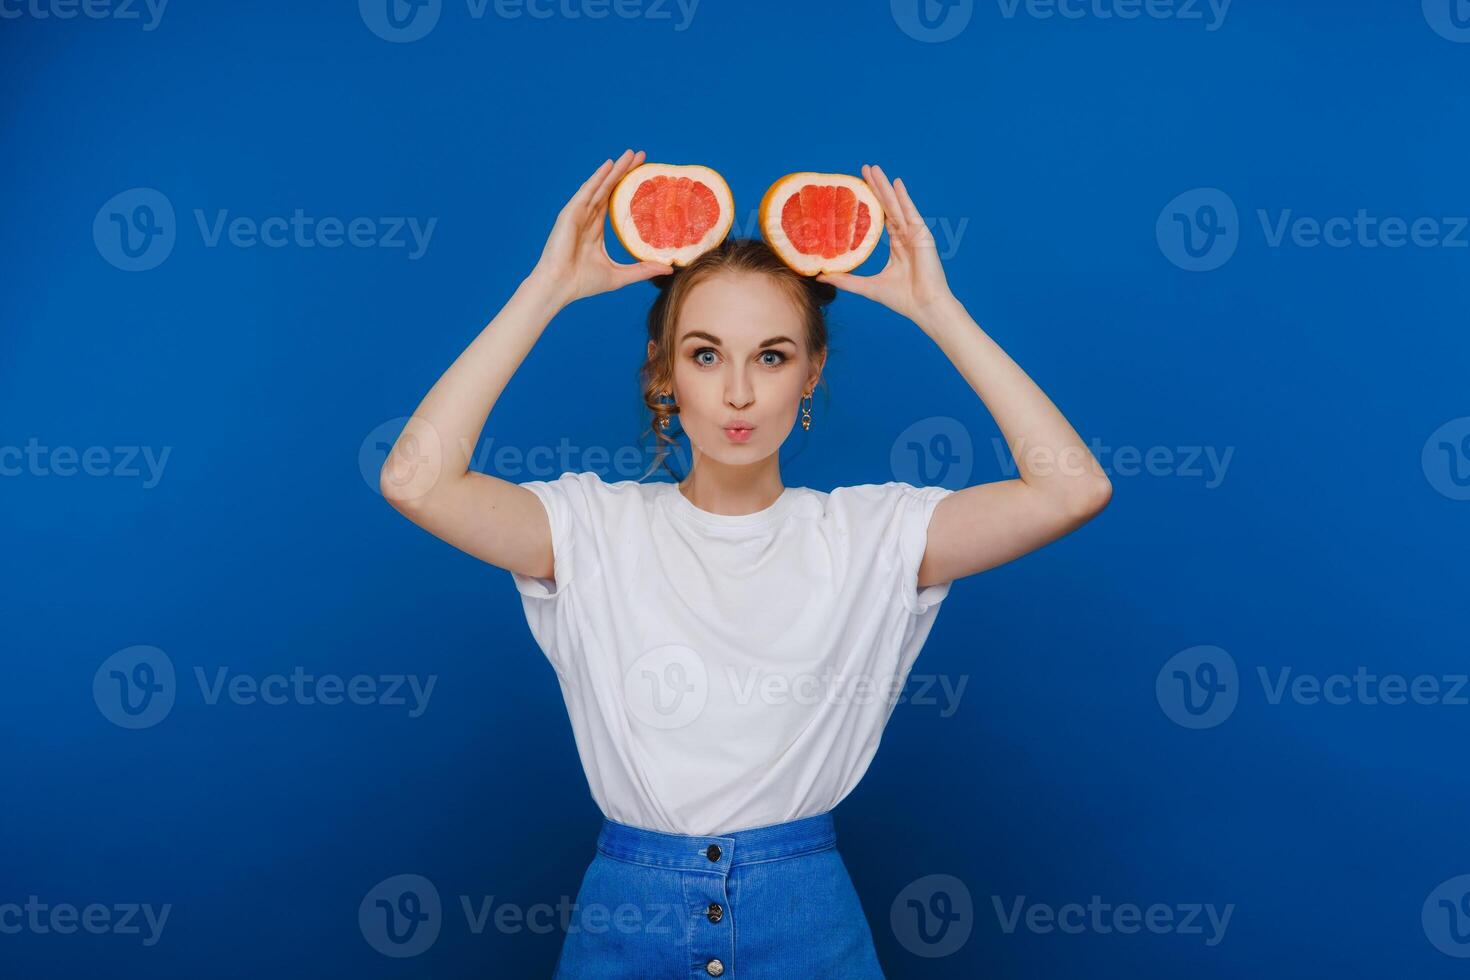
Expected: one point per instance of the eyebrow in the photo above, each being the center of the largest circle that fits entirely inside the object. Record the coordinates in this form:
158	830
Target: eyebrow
768	342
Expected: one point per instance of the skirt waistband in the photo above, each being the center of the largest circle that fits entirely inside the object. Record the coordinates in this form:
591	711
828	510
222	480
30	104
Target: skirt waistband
717	852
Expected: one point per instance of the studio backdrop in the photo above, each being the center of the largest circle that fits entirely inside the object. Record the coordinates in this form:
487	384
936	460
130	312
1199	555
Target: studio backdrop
254	723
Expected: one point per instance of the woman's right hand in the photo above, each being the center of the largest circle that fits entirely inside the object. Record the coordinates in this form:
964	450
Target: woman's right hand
575	262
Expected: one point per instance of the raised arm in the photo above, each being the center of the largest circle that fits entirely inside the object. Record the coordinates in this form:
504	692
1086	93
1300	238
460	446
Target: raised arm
426	476
1060	484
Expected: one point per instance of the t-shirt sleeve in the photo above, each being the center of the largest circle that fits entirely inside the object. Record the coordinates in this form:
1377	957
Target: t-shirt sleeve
913	510
573	505
566	502
888	527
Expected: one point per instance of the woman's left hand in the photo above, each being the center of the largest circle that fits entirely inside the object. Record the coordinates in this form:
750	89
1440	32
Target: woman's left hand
912	284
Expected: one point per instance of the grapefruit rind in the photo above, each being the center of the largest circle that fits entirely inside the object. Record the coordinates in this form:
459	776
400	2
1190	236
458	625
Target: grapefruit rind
775	199
620	213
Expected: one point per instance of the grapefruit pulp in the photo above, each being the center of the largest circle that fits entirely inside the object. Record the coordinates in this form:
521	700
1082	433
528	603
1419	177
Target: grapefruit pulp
821	222
673	213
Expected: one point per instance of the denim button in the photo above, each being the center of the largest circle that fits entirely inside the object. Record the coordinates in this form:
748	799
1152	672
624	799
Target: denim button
715	913
714	968
713	853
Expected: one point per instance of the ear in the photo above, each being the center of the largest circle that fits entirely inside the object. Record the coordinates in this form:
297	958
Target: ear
818	363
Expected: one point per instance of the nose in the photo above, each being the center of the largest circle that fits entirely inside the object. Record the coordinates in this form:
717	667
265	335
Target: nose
739	392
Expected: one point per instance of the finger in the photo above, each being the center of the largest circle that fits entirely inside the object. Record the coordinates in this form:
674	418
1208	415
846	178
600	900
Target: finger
871	176
584	193
639	271
624	162
846	281
910	209
892	211
918	229
893	218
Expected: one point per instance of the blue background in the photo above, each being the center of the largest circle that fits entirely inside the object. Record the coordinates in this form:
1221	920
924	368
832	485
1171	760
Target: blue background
269	374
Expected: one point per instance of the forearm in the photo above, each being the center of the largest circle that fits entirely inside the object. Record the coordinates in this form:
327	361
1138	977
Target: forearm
437	444
1050	456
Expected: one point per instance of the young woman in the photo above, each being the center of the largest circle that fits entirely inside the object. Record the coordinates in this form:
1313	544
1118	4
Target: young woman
730	648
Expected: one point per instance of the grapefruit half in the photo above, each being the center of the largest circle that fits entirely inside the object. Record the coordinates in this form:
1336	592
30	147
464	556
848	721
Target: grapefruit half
821	222
673	213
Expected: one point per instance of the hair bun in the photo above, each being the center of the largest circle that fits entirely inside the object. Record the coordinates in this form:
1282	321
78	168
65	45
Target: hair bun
823	292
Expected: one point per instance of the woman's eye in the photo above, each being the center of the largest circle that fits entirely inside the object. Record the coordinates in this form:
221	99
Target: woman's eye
699	357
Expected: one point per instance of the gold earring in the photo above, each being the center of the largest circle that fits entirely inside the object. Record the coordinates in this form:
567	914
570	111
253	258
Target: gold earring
806	411
663	422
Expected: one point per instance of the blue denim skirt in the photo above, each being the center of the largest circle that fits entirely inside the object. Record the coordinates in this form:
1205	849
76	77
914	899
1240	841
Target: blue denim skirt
768	902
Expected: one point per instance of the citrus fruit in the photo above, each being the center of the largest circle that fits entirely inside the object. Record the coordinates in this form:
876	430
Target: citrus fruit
821	222
673	213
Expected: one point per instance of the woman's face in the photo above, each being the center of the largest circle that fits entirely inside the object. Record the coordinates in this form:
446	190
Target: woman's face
740	367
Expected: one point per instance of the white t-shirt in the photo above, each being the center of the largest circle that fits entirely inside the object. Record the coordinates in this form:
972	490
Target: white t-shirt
723	672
